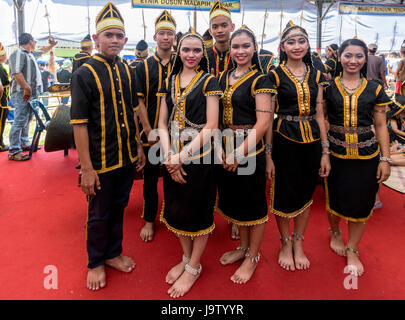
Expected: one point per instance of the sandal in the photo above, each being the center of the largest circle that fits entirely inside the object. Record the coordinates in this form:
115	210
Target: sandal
19	156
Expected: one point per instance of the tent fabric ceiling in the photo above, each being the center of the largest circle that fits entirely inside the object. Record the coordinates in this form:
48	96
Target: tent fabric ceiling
71	21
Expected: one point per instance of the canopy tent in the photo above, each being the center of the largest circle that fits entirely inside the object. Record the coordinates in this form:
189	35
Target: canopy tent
69	19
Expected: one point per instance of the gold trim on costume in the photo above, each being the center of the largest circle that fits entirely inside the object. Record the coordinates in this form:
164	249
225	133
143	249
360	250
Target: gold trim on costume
282	214
330	210
181	232
227	97
102	116
79	121
243	223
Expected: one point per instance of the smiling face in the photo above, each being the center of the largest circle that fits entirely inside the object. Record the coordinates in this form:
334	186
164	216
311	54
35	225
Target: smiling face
242	49
221	28
110	42
191	52
296	46
353	59
164	39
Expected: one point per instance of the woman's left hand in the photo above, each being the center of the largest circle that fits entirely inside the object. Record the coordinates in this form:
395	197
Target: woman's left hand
383	171
325	166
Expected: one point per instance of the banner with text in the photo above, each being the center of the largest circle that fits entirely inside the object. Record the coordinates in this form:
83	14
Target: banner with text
371	9
232	5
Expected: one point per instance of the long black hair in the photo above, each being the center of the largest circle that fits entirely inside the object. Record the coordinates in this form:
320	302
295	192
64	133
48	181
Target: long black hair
250	34
283	56
342	48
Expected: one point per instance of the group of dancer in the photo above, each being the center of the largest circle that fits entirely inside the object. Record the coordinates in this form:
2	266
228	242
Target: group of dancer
323	128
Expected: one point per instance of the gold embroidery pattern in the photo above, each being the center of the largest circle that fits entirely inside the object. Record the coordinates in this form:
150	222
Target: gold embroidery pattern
227	97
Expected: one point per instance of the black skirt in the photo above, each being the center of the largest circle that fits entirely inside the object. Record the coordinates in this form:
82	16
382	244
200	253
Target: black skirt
297	171
188	208
351	188
242	198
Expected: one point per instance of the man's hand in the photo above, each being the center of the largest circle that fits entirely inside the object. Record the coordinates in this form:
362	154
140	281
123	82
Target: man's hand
141	159
27	94
89	182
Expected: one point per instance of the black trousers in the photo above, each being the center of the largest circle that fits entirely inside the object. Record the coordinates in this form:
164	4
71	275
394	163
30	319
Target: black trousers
106	215
3	118
150	193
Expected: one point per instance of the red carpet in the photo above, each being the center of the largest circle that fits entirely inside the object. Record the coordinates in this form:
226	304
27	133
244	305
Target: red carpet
42	223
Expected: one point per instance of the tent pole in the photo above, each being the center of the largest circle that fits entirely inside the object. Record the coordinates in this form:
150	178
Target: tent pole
264	26
319	4
19	4
144	25
195	20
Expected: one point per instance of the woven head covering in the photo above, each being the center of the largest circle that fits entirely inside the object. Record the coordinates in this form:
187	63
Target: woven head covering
218	9
165	21
109	17
178	64
2	51
290	26
86	42
286	35
141	50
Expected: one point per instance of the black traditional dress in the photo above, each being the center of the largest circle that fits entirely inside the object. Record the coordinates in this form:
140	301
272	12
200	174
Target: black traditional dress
296	141
242	197
352	184
330	66
188	208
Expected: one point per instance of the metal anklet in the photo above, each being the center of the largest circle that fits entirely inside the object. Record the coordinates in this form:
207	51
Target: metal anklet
355	251
285	240
193	271
298	236
185	259
254	259
335	233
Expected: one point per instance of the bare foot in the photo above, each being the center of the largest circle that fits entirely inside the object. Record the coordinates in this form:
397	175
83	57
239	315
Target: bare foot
175	272
121	263
337	244
354	264
245	271
300	259
183	284
96	278
148	231
285	257
232	256
235	232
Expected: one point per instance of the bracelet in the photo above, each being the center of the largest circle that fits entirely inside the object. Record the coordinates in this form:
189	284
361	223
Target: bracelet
261	110
389	160
325	152
267	152
139	142
188	152
325	144
268	146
